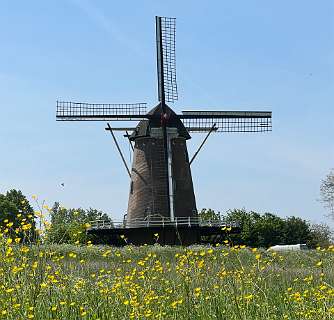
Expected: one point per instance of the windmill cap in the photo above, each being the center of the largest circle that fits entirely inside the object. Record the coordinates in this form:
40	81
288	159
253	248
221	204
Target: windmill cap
155	119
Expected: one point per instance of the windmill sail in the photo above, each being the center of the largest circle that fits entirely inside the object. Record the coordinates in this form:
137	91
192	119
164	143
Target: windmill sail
227	121
166	65
78	111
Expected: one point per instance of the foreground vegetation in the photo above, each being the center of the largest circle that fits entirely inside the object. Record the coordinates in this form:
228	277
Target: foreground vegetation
222	282
78	280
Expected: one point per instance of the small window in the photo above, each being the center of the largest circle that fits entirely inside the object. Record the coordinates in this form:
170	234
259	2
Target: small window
131	187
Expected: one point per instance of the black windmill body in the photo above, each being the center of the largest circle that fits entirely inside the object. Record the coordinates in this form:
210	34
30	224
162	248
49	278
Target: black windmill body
161	197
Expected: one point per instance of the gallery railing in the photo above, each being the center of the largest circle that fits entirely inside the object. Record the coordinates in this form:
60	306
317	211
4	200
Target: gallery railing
162	222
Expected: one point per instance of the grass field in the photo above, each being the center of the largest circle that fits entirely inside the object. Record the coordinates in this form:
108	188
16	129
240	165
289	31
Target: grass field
153	282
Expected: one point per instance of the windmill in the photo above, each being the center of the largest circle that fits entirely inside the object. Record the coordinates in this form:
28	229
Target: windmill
161	197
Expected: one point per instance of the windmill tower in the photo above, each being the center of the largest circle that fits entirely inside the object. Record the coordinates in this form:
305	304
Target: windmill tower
161	187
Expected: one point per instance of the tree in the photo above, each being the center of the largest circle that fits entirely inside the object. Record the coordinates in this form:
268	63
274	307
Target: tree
209	215
265	230
69	225
17	216
255	229
327	192
321	235
296	230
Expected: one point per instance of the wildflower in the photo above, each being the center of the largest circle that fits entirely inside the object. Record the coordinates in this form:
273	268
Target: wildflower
319	264
26	226
197	291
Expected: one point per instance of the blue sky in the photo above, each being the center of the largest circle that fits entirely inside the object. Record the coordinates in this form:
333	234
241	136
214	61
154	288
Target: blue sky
231	55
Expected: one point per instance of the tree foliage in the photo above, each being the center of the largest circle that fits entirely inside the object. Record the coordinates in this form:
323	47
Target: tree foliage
265	230
69	225
17	216
327	192
209	215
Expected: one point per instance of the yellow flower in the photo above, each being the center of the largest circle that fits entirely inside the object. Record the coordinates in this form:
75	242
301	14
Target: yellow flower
26	226
197	291
319	264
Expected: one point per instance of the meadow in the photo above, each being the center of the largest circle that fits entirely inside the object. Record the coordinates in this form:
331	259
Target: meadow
153	282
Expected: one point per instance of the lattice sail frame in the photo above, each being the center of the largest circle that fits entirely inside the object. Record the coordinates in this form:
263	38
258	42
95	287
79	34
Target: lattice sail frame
165	33
227	121
74	111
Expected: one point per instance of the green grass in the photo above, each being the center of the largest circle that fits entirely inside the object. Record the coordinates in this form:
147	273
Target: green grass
153	282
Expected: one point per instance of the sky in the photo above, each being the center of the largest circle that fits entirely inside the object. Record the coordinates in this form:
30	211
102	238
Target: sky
230	55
